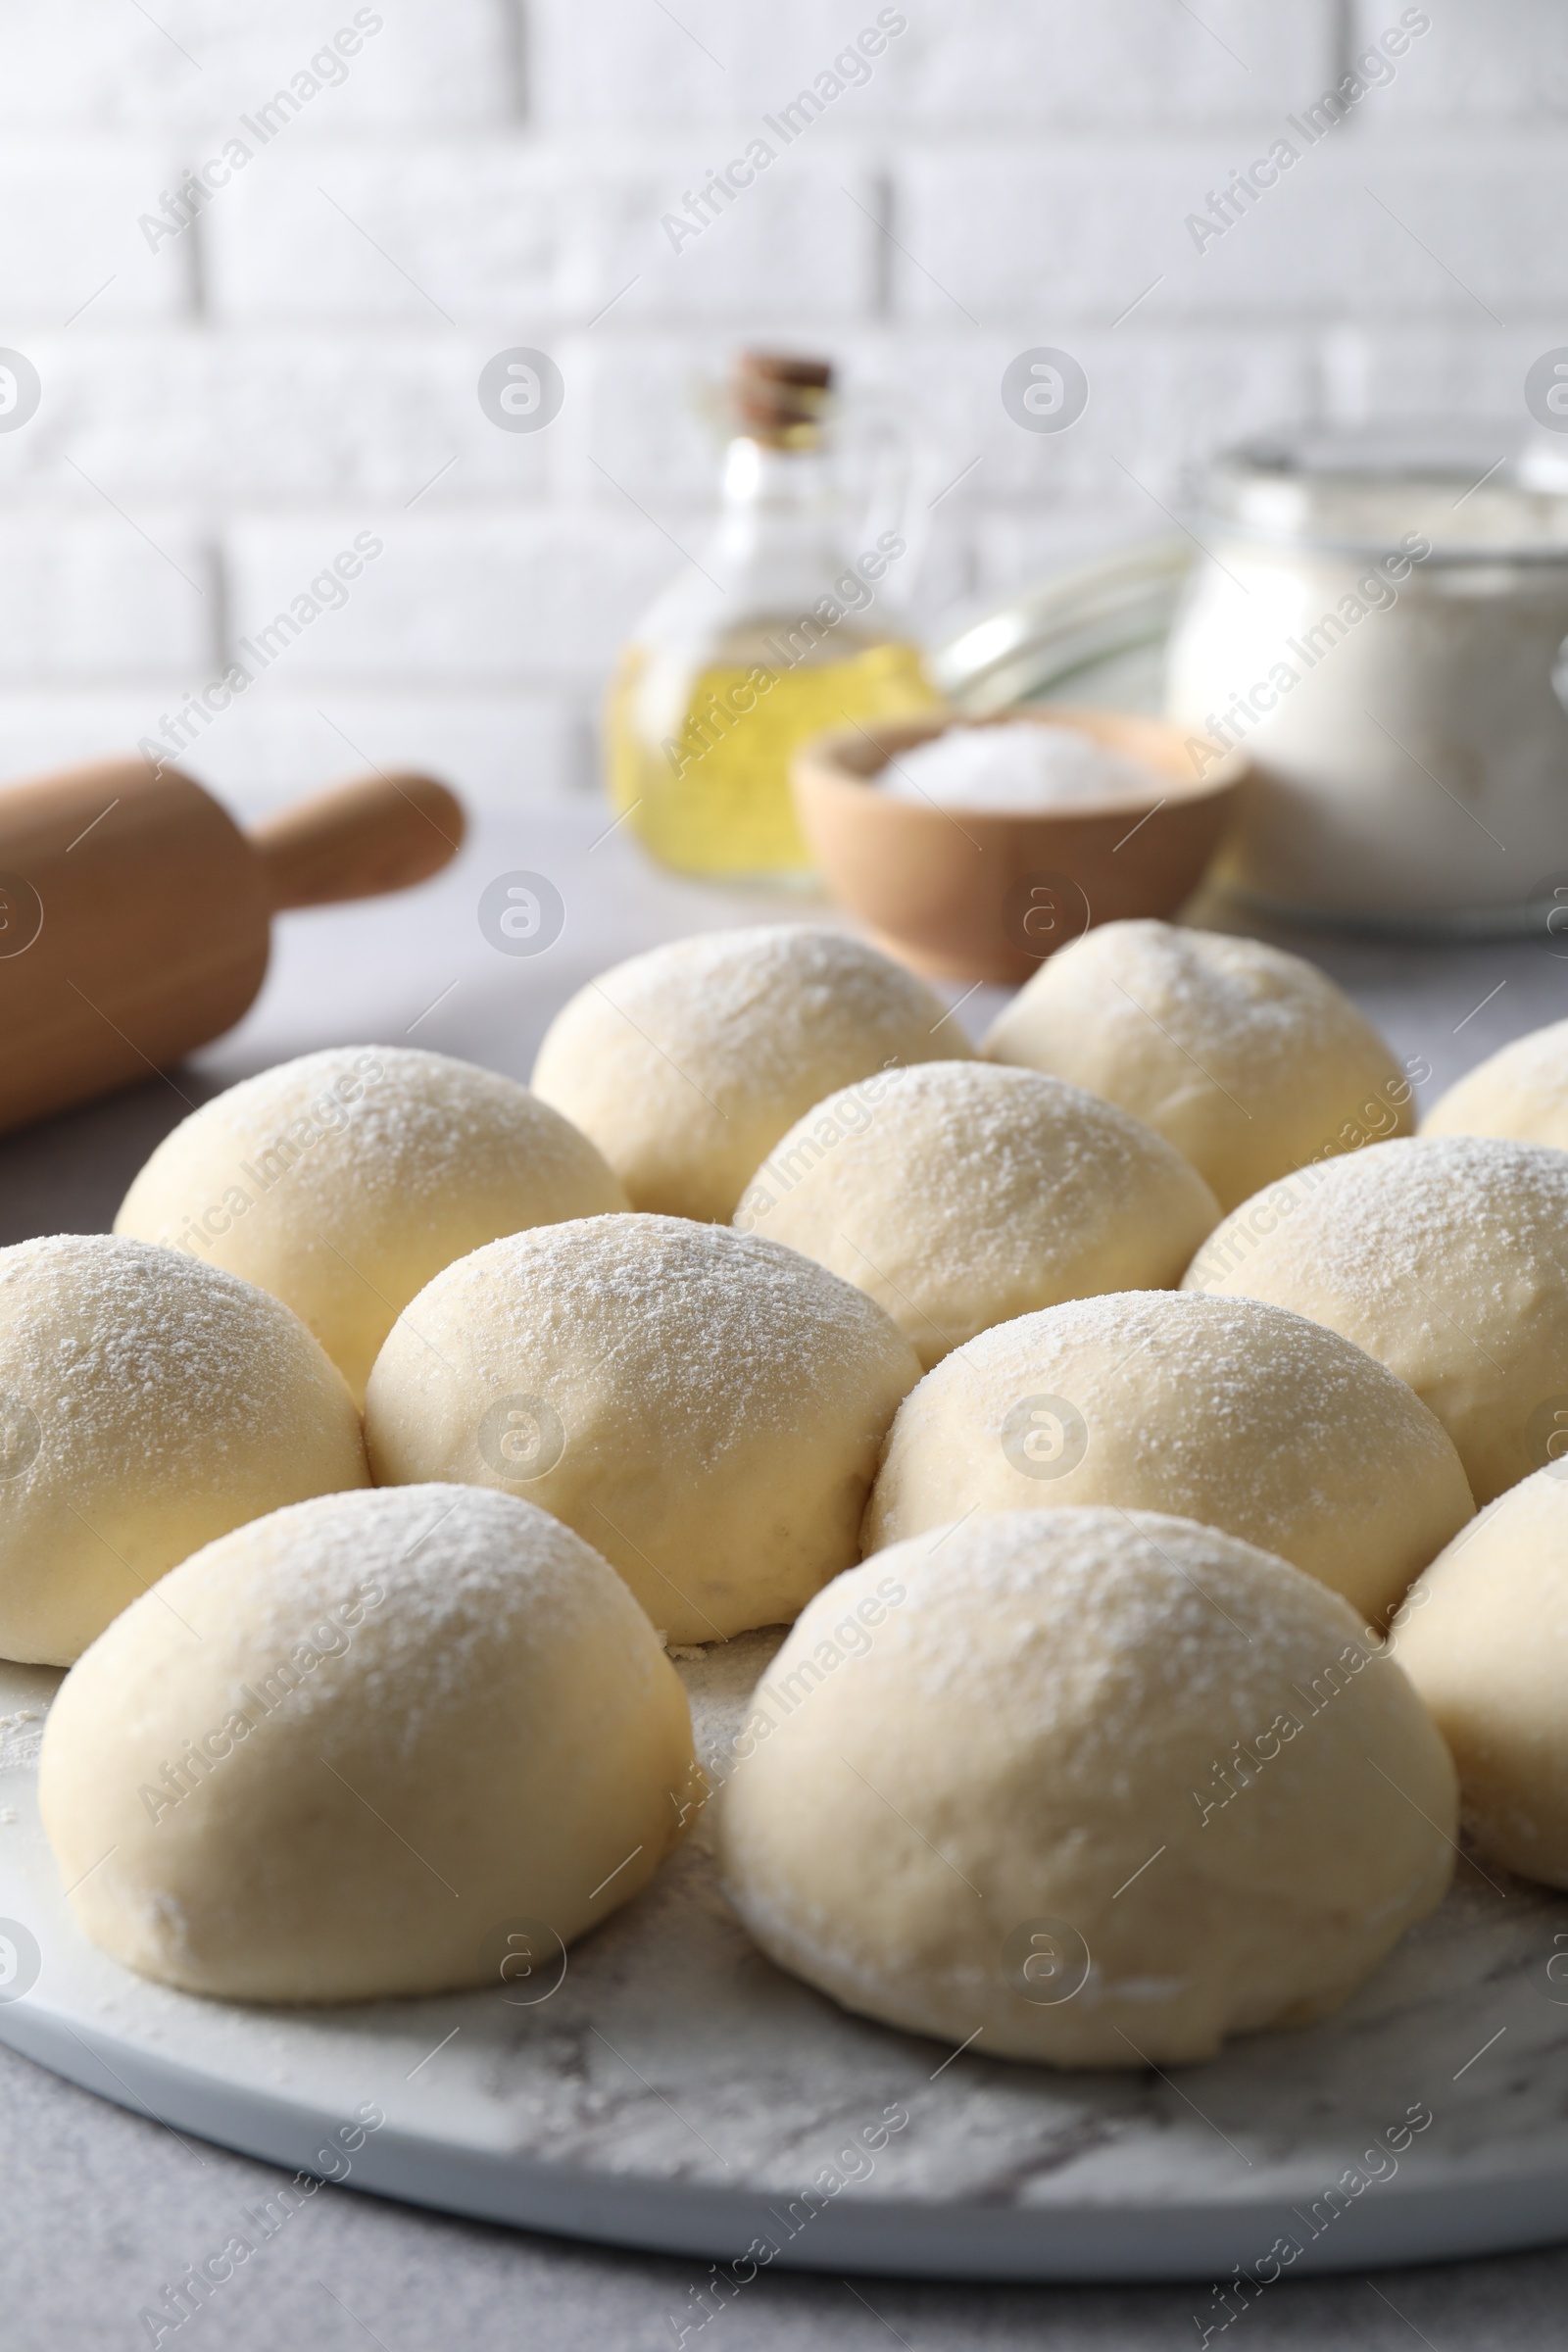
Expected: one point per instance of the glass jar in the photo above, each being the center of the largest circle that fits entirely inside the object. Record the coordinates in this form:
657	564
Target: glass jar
777	631
1378	620
1096	632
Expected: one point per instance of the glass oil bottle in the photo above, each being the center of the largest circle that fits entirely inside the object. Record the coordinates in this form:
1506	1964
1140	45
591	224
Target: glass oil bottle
777	633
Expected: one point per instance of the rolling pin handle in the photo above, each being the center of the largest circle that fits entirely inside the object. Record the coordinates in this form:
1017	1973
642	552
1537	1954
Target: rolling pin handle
359	840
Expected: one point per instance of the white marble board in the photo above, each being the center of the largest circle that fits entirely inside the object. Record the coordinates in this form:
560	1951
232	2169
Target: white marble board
676	2091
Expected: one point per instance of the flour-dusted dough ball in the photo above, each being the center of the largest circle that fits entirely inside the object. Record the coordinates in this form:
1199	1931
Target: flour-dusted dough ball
966	1194
343	1181
1522	1092
1103	1790
368	1737
707	1409
1483	1637
1446	1258
1222	1410
687	1064
147	1404
1247	1059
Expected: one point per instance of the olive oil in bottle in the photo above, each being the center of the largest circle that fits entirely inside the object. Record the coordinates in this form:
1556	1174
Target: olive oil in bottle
776	635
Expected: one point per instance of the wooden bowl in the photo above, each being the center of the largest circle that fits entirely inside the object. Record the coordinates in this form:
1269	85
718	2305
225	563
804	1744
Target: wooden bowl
963	895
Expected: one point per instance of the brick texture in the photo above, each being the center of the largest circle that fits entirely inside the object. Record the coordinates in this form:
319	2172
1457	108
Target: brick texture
236	383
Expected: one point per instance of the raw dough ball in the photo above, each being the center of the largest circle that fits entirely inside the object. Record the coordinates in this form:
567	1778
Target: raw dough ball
964	1196
1223	1410
706	1410
1247	1059
1447	1260
688	1063
343	1181
1521	1091
410	1722
1105	1789
1483	1637
147	1404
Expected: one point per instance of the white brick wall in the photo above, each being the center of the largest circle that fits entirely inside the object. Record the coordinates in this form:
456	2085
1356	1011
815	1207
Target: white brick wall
223	408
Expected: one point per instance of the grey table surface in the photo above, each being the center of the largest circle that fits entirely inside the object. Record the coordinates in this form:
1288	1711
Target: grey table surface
101	2207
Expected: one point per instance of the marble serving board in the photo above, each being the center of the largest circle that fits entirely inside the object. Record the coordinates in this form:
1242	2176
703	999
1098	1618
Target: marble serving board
674	2090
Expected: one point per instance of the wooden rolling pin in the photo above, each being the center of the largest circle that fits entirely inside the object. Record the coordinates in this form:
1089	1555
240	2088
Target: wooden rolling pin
135	914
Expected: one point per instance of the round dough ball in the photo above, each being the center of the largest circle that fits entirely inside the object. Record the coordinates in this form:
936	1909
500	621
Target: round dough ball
707	1409
687	1064
1447	1259
1520	1092
147	1404
961	1196
380	1731
343	1181
1483	1637
1103	1788
1222	1410
1247	1059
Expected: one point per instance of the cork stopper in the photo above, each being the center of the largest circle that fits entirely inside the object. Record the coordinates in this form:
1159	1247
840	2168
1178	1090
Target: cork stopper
780	398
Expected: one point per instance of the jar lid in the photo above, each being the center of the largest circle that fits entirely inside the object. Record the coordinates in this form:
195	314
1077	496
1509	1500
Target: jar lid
1477	492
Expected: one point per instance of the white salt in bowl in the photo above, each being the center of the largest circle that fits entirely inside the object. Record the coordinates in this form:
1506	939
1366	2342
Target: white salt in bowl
978	894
